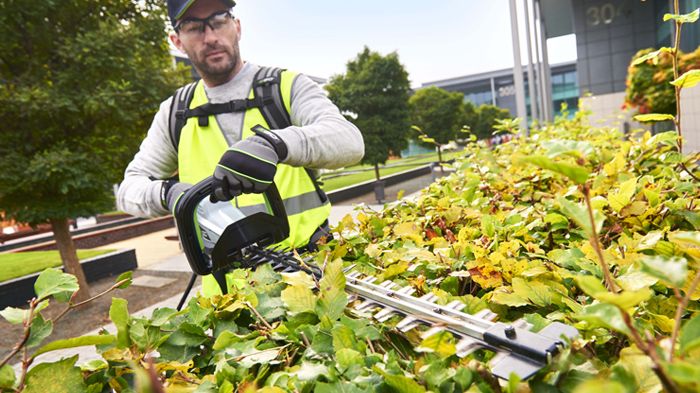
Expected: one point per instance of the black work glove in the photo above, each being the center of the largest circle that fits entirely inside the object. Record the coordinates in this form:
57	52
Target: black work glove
171	192
249	166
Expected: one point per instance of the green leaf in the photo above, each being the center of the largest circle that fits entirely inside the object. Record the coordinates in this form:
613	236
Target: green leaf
311	371
577	174
537	292
299	299
14	315
119	314
442	343
603	315
94	365
689	79
618	200
600	385
347	358
82	341
52	281
488	225
673	270
508	299
124	276
684	371
332	297
39	330
557	147
579	213
690	335
685	238
298	278
651	55
683	18
58	377
401	384
7	377
626	299
591	285
333	281
343	337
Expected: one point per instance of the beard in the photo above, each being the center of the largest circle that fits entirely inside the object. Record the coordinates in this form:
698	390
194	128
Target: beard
217	70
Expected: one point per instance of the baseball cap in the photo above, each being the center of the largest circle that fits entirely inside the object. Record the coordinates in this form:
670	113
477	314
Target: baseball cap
176	8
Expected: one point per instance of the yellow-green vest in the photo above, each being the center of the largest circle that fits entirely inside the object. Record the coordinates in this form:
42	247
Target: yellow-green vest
200	149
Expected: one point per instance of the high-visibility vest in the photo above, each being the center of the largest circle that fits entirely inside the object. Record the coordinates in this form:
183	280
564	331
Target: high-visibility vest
201	147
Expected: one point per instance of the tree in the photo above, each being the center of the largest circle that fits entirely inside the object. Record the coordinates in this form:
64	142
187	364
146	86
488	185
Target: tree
648	84
81	80
373	94
482	121
438	113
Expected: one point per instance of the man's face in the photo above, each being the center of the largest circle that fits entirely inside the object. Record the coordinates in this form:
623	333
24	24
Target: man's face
213	52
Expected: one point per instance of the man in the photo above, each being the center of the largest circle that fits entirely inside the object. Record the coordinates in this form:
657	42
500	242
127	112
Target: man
238	148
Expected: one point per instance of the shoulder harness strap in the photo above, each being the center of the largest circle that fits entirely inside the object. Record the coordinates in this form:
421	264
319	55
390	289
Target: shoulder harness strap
181	101
268	84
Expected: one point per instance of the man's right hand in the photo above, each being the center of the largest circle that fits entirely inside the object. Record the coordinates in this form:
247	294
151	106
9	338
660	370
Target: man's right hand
172	190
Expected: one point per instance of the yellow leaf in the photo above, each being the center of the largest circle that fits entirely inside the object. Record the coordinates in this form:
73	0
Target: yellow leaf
299	299
615	166
623	196
689	79
409	230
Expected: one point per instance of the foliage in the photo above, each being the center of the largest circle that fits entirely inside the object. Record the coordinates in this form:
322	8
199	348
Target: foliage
438	113
61	376
649	76
80	83
374	94
483	118
501	233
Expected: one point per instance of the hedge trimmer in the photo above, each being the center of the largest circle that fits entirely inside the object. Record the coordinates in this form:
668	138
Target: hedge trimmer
217	237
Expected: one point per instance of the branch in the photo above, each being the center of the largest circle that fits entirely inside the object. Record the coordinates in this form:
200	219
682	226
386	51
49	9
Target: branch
257	314
676	48
679	313
595	243
650	350
27	323
76	305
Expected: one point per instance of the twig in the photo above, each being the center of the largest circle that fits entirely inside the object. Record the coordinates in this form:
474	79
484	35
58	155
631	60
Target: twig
369	343
679	312
257	314
27	323
650	350
156	383
676	48
595	243
304	339
76	305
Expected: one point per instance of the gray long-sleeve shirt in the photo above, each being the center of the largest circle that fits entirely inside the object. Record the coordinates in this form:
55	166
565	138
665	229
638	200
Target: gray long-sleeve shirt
320	137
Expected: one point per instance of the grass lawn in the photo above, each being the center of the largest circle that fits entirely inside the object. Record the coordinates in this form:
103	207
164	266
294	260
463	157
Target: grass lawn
20	264
355	178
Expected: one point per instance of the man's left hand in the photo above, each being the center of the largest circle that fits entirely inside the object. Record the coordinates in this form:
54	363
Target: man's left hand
249	166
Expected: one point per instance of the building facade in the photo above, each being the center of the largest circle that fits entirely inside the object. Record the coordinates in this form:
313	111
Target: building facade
498	88
608	34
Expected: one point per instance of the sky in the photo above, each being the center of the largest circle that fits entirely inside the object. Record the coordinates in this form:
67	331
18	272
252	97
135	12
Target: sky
435	40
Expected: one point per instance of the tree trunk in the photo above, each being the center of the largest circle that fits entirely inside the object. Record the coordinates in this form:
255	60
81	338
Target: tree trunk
69	256
376	171
440	159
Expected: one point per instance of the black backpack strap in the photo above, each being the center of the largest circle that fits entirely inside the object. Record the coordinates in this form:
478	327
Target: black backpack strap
267	88
181	103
